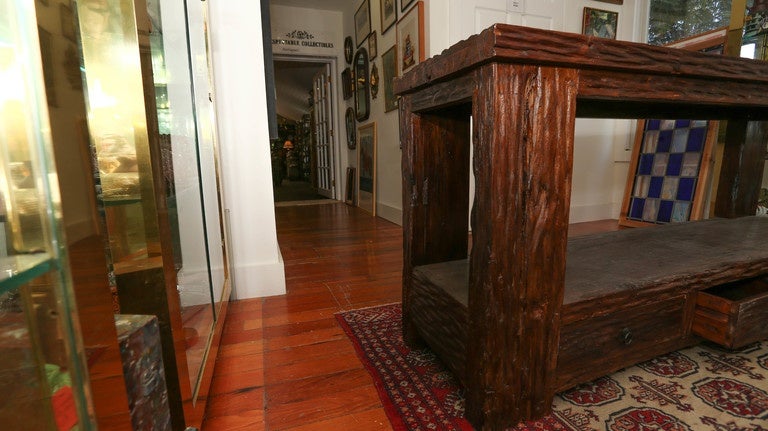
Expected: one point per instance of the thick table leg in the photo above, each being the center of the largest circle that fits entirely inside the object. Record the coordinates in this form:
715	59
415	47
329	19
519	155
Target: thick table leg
524	119
740	176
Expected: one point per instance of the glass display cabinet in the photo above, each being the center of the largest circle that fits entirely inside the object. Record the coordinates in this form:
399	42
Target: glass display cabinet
152	129
43	382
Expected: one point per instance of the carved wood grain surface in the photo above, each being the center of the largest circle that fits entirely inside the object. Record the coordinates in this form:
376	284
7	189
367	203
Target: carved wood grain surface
595	347
742	168
441	320
656	91
526	45
618	267
519	227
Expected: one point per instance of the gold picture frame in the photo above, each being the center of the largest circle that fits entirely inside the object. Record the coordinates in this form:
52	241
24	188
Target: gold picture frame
410	38
366	168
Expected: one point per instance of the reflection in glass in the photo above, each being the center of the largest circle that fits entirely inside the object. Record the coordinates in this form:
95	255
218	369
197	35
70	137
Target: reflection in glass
149	116
188	167
43	383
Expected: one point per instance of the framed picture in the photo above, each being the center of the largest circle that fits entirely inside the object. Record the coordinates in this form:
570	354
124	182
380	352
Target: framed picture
600	23
410	38
362	87
669	172
363	22
671	166
405	4
372	48
347	84
618	2
366	168
388	14
349	120
349	49
67	19
389	72
349	196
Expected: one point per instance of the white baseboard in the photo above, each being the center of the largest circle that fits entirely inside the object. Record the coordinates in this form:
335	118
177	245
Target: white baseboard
579	213
259	280
395	215
582	213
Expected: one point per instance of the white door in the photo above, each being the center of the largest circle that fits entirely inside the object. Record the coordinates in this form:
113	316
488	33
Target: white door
470	17
323	132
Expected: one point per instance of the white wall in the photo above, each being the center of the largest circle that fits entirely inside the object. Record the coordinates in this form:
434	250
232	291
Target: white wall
388	159
238	63
602	147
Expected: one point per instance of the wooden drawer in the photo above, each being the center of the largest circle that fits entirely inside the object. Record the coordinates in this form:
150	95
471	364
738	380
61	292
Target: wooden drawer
733	314
597	346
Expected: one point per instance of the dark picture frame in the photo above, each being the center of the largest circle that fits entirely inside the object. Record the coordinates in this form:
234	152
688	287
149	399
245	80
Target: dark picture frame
349	196
362	89
388	9
389	73
349	49
600	23
372	46
349	122
347	86
363	22
374	81
405	4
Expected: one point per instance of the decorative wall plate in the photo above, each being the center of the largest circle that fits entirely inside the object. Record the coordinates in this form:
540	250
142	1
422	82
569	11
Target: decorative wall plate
349	49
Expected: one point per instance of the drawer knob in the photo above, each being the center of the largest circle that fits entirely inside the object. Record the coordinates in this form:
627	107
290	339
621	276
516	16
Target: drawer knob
626	336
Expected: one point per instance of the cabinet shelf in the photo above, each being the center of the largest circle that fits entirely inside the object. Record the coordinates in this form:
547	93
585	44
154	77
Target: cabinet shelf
18	270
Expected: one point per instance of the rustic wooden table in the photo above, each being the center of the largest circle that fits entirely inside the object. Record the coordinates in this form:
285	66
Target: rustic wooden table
502	315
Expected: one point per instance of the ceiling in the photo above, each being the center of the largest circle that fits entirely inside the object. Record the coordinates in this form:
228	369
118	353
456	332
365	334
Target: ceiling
337	5
293	81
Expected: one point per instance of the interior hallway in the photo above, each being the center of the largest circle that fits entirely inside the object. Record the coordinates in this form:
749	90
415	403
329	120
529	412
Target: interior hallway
284	363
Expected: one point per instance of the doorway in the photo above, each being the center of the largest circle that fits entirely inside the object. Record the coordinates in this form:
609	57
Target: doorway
302	155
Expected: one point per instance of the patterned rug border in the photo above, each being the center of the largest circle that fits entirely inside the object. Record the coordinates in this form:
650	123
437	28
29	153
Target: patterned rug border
389	407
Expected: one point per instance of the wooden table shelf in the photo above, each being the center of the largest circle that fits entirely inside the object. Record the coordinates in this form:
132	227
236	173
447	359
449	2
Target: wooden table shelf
526	312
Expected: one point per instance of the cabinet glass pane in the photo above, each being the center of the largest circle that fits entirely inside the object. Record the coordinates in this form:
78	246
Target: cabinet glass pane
183	166
43	383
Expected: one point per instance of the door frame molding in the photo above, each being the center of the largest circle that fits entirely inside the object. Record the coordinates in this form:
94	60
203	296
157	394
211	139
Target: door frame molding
336	151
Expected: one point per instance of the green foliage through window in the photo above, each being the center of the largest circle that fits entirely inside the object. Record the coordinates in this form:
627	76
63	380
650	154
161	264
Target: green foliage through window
672	20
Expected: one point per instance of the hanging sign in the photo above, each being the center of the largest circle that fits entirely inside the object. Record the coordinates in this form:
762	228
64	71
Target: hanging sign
302	41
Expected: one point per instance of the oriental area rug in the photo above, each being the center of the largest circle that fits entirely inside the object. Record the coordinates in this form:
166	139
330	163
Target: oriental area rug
700	388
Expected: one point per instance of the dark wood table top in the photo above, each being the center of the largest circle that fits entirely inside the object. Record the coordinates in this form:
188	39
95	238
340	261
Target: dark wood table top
628	74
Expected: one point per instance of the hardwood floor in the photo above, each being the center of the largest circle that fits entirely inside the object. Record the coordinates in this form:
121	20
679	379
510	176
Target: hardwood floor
284	362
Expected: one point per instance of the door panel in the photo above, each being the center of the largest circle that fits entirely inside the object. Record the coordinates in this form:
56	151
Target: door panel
470	17
323	132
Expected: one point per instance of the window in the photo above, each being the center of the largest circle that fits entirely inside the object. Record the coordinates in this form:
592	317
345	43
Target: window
672	20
